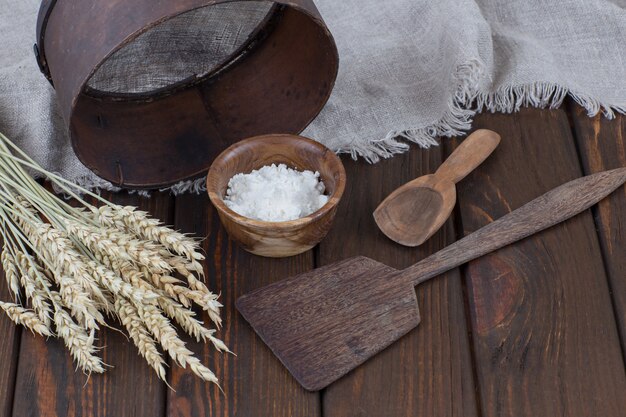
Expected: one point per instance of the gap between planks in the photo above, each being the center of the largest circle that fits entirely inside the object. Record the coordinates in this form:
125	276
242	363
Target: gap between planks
528	127
8	403
596	152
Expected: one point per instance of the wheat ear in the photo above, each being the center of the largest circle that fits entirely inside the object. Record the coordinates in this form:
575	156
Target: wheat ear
60	252
166	335
118	244
77	263
201	294
118	286
173	242
26	318
36	288
79	342
10	272
184	317
77	285
187	320
147	228
129	317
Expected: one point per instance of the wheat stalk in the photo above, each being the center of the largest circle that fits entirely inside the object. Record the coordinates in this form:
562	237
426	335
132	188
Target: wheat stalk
75	264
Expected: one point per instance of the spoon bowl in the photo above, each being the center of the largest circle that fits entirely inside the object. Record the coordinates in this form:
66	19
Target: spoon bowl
418	209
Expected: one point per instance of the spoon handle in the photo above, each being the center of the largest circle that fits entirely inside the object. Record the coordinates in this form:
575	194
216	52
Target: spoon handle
469	155
546	211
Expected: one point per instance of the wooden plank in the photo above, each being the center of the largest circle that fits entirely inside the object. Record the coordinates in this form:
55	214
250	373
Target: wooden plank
602	145
9	349
254	381
428	372
48	383
544	334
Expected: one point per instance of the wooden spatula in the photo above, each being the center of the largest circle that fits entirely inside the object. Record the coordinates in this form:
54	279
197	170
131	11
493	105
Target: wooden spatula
324	323
415	211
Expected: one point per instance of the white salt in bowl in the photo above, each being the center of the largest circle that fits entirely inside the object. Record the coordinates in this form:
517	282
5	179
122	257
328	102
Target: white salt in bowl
277	239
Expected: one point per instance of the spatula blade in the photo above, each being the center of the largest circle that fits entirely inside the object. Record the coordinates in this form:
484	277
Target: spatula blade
324	323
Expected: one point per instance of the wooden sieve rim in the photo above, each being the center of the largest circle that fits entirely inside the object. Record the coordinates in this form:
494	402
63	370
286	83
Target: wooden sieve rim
70	58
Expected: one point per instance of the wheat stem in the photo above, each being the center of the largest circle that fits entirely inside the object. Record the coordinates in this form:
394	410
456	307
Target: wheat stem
74	264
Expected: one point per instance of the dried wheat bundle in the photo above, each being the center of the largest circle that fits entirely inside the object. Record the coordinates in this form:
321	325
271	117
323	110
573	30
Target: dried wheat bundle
68	268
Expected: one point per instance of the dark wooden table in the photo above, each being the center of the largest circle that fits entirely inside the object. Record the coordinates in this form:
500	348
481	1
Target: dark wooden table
537	329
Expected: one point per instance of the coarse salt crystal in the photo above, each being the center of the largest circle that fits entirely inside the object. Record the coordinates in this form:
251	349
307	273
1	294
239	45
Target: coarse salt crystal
276	194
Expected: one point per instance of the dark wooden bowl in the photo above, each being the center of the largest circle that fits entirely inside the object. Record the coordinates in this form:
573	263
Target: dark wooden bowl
282	239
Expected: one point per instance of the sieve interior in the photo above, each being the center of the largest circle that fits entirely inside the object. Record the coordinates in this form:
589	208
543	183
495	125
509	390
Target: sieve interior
152	92
189	46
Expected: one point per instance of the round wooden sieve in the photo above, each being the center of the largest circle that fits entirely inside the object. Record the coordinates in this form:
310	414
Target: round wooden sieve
153	90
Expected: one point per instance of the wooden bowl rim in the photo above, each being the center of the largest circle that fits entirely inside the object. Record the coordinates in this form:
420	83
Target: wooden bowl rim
290	225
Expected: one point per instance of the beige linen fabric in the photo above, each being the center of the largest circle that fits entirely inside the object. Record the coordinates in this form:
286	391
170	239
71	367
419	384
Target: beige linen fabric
411	70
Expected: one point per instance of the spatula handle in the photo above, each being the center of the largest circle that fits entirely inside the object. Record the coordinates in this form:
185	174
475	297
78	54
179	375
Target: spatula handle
469	155
546	211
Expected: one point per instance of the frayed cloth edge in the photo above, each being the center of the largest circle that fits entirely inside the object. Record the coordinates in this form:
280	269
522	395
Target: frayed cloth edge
467	102
456	121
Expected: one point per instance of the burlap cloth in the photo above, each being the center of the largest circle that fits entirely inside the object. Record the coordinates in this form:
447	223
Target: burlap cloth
411	70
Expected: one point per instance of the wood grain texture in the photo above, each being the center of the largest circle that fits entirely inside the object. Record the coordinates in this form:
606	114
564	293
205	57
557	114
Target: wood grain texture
414	212
547	210
542	328
544	333
326	322
428	372
9	348
277	239
254	382
48	383
602	145
469	155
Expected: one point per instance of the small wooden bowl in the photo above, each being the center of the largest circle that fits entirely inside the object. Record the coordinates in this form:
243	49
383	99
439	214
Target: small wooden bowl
283	239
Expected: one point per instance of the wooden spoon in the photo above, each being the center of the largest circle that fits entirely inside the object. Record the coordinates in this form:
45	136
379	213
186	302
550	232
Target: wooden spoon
415	211
324	323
